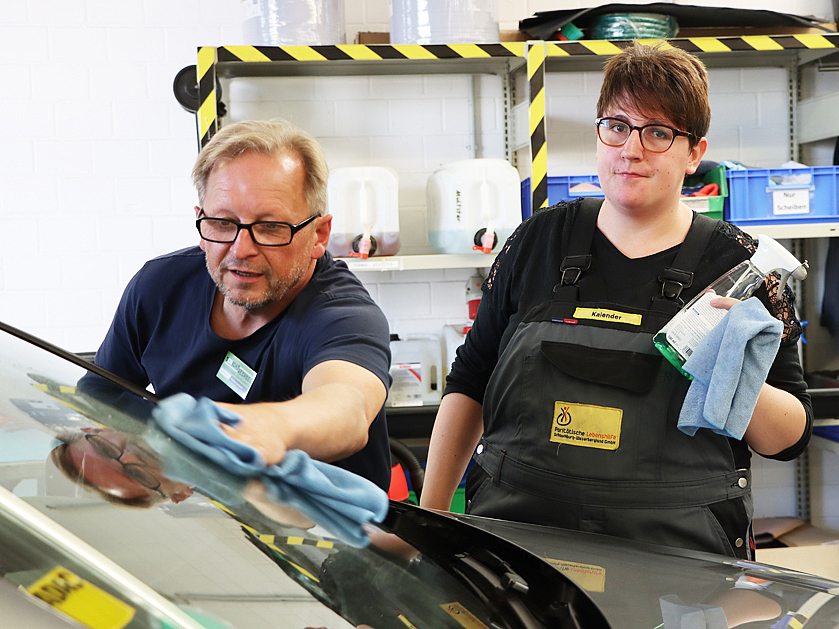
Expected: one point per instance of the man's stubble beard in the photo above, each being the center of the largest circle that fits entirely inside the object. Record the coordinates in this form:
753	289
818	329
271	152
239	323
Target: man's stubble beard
274	292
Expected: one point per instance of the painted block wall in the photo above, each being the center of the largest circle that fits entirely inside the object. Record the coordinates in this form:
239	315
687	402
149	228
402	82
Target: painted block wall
95	155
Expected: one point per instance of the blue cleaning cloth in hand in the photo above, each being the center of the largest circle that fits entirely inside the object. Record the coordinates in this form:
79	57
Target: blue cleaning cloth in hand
335	498
729	368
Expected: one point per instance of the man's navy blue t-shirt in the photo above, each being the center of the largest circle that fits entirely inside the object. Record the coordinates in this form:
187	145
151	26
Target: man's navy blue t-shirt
161	336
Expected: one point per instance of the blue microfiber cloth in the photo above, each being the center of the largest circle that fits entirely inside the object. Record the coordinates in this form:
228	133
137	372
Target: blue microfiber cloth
338	500
729	368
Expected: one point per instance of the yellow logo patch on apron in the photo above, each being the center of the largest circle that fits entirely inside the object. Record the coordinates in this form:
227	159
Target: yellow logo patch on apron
587	425
601	314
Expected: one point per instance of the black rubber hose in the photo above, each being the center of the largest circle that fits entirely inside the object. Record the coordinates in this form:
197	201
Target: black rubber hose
403	455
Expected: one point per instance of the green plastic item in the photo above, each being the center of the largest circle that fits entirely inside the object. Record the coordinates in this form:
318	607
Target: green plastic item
570	32
458	502
713	207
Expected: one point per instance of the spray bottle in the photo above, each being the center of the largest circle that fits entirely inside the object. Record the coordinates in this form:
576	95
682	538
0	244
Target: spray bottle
679	338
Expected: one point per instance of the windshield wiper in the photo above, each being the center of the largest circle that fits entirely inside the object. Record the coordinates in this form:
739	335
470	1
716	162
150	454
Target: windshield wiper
498	584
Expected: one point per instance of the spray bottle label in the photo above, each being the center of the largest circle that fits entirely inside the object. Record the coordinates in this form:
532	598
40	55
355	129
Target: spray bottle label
690	326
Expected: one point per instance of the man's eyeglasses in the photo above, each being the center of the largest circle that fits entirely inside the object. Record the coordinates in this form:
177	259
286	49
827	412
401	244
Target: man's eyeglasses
264	233
136	471
655	138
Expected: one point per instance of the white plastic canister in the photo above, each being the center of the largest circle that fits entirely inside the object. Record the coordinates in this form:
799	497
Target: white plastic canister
467	199
364	199
416	367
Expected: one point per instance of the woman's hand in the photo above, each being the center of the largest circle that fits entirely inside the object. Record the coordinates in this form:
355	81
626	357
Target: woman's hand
723	302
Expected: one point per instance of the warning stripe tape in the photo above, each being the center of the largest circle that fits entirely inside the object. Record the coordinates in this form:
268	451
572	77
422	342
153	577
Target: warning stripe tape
538	135
208	57
745	43
207	109
372	52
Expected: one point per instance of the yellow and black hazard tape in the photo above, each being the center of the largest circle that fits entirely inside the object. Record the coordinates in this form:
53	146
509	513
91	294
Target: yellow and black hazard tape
208	57
207	106
744	43
372	52
538	135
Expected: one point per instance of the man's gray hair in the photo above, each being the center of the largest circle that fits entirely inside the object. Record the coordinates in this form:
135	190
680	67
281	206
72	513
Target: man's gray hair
271	138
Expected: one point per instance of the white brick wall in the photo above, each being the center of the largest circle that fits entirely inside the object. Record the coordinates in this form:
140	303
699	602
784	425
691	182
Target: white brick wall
95	153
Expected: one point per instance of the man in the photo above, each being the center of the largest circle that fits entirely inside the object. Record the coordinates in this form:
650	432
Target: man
260	312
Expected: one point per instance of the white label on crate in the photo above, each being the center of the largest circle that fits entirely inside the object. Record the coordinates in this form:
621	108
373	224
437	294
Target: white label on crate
698	204
791	201
407	388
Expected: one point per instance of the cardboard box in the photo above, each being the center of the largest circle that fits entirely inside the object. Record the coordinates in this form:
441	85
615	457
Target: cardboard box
370	37
800	546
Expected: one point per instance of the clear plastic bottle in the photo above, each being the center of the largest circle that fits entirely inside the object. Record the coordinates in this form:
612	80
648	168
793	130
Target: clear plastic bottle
680	337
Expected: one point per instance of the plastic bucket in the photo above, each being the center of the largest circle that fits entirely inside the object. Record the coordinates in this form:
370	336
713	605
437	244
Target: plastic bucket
443	21
293	22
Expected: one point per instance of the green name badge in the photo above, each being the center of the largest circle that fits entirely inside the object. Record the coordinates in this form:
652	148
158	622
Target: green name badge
236	375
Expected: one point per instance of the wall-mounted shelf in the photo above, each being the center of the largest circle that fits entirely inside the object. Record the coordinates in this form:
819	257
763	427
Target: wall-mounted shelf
794	230
422	262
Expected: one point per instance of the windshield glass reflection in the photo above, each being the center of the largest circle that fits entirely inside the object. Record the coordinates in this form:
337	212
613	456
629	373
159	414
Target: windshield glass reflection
216	545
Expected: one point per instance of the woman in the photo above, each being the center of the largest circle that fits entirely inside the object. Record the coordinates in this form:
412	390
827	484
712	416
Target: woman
559	392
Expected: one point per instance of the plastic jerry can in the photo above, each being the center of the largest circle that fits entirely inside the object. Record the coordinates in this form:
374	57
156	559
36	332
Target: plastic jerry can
416	367
473	204
364	203
454	336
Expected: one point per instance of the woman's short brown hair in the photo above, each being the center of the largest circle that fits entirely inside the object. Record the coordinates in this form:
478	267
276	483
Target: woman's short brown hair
658	79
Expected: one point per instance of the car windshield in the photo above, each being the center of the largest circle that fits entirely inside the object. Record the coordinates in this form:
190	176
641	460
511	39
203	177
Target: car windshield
108	523
111	523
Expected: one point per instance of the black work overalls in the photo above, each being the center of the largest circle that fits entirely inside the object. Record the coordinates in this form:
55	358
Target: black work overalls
580	419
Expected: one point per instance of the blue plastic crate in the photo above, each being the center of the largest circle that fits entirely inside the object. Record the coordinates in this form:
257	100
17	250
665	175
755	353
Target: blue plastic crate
562	188
566	188
782	195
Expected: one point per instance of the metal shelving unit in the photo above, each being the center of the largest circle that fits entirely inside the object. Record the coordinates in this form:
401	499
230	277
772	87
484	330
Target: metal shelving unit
422	262
525	120
508	60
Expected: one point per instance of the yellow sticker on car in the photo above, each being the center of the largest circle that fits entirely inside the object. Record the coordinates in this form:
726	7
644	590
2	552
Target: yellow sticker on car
587	425
602	314
463	616
589	577
81	600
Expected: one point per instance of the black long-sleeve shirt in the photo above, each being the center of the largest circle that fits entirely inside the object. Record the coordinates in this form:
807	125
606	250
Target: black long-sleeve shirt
527	269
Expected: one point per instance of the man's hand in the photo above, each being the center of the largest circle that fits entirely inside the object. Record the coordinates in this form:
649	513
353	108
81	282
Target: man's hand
260	428
328	421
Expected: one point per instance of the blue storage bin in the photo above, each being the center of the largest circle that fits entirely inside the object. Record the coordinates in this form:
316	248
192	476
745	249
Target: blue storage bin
561	188
782	195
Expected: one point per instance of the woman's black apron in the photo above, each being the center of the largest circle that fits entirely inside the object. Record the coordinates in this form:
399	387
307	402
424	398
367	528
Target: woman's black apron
580	419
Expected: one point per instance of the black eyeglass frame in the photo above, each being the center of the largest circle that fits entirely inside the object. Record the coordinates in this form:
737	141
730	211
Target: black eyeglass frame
133	470
249	226
676	133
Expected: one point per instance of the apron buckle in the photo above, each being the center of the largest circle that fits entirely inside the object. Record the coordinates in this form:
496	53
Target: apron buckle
572	268
673	282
